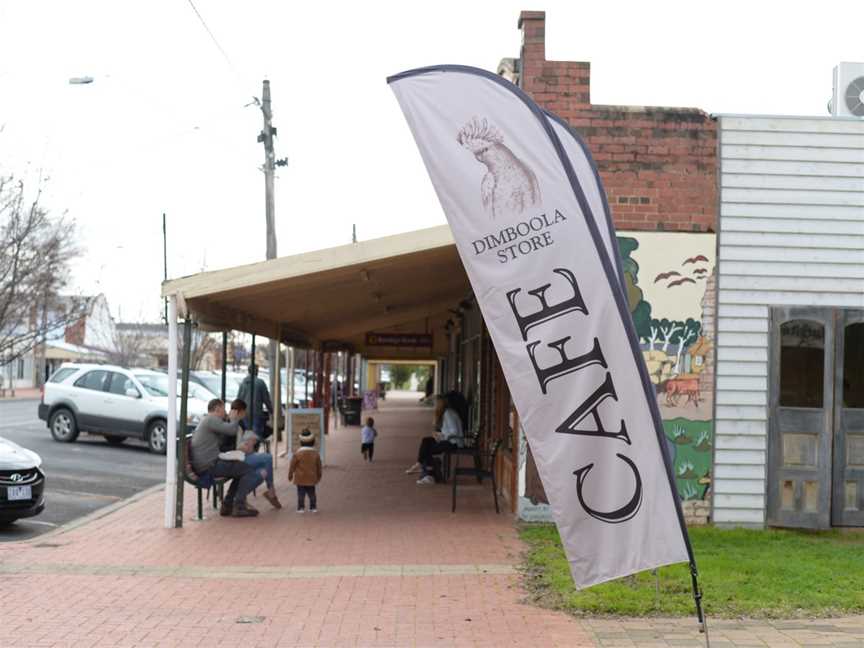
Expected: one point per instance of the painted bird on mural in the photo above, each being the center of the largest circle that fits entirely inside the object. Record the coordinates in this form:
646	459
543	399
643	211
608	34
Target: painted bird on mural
696	259
679	282
509	186
666	275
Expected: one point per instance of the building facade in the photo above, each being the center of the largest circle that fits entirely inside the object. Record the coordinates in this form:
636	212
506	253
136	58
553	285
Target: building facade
790	334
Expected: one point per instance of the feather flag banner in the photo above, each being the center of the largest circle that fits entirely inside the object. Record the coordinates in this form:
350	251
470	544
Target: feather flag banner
530	219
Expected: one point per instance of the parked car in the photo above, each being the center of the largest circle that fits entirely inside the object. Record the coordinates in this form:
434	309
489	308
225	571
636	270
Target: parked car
212	381
22	482
157	384
111	401
300	399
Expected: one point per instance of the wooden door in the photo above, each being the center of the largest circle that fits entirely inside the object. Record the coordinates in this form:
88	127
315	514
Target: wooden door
848	504
801	417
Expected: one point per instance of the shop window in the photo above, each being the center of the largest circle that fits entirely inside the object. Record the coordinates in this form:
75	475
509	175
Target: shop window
802	364
853	366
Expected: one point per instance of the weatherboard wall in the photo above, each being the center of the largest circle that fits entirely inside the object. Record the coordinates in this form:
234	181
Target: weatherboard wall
791	233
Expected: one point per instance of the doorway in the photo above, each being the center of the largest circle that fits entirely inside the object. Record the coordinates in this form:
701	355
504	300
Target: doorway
816	418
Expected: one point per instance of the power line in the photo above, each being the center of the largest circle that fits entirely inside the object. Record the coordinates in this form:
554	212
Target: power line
212	36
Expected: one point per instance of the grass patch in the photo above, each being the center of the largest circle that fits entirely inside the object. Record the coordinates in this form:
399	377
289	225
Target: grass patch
773	574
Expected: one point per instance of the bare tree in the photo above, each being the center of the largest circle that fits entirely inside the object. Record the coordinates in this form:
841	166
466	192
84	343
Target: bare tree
132	346
202	345
35	252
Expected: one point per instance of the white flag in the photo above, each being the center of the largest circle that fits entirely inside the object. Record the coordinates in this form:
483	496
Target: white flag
527	211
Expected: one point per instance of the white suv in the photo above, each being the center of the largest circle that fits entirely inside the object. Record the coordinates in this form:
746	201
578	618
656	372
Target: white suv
111	401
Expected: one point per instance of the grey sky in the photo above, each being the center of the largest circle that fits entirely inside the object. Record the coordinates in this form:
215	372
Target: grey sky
164	128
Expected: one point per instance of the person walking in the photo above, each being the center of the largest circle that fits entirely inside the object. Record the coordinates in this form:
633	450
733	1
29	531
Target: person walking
367	439
305	471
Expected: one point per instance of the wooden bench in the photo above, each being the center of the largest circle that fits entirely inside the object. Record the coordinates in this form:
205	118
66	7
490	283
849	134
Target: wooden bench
484	467
470	449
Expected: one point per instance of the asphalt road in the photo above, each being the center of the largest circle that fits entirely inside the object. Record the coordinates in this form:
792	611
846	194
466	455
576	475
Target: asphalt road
80	477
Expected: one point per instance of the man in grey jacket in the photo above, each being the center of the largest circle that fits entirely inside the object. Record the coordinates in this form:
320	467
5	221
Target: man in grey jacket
253	391
205	459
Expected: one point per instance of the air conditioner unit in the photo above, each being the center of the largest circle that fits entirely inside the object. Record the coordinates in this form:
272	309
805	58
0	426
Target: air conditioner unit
848	99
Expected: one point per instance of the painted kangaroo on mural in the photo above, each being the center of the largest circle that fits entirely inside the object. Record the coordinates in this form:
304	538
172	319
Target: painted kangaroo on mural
677	387
509	186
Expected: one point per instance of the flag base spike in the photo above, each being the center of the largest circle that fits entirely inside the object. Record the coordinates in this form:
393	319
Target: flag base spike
697	598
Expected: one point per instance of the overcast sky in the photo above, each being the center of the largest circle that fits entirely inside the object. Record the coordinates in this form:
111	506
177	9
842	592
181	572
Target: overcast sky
164	128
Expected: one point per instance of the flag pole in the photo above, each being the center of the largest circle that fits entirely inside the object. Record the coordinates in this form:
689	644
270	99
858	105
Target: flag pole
608	260
697	597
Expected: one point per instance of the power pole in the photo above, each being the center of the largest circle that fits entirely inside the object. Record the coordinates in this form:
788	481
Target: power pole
266	137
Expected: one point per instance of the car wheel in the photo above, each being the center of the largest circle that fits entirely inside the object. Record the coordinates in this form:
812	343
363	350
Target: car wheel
63	426
157	436
115	440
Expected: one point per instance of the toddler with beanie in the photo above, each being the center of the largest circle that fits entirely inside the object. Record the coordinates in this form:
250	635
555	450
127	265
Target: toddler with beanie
305	471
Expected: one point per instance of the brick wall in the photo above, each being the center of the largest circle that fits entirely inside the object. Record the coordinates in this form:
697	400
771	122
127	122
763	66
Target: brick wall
658	164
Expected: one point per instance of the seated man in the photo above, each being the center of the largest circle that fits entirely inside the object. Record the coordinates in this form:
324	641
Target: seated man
205	459
261	462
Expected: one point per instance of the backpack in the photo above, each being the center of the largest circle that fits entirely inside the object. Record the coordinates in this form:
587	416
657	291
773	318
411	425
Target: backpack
437	471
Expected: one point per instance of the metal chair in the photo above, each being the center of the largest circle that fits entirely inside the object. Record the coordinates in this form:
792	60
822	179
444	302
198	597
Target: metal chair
202	483
484	467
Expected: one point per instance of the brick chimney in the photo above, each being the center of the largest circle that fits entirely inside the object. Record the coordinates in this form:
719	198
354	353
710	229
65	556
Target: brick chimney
564	87
658	165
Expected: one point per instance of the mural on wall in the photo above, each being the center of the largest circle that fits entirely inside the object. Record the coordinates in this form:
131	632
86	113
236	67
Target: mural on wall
671	293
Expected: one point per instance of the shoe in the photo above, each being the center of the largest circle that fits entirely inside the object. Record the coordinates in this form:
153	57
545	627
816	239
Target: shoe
226	509
270	496
313	510
425	481
301	510
413	469
244	511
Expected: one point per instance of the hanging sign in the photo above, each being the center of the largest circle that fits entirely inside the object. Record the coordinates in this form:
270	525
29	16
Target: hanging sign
422	340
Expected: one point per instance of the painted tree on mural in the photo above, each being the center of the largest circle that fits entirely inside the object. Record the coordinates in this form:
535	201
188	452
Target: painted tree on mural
666	333
640	309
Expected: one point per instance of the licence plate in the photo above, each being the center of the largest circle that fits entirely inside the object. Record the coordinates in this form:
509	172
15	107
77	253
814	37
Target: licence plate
15	493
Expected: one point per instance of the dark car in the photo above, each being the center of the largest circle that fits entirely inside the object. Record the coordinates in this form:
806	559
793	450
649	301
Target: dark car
22	482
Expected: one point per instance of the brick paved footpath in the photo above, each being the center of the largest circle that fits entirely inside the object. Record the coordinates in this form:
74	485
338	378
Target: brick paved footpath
383	564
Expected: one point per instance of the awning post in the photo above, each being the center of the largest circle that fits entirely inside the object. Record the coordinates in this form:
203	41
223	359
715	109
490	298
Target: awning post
289	365
171	463
224	363
181	432
253	382
277	401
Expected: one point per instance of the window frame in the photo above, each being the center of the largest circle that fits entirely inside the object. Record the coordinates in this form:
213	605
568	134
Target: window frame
87	373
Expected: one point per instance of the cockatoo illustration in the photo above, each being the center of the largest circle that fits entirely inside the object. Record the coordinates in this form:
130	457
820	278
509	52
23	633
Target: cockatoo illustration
509	186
